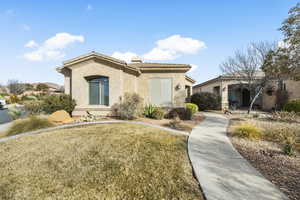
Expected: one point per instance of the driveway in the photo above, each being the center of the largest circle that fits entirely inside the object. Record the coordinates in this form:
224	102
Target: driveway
4	117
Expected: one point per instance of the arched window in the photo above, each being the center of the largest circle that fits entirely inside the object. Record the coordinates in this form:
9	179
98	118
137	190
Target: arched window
99	91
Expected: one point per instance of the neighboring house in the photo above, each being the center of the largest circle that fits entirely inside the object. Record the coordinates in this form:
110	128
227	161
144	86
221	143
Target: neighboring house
97	82
233	91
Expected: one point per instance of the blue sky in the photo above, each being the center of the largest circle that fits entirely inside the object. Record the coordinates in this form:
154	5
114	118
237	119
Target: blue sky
36	36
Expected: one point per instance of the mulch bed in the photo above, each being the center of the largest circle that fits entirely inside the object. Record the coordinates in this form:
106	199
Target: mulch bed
268	158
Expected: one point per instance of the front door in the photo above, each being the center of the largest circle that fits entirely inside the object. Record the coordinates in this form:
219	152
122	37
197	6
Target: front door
246	98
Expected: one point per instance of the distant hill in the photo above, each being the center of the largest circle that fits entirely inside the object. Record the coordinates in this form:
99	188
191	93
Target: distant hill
53	86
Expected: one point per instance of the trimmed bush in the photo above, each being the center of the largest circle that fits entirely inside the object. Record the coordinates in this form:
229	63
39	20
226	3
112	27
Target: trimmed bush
33	107
206	101
158	113
30	124
292	106
247	130
57	102
192	107
130	108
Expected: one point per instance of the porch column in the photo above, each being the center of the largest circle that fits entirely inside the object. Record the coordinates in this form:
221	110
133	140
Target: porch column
224	96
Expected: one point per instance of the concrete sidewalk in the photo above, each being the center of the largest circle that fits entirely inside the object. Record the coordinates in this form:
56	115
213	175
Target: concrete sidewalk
222	172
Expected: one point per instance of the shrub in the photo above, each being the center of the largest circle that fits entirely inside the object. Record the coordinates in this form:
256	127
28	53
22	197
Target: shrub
192	107
182	113
284	116
282	97
175	123
28	98
292	106
13	99
206	101
149	111
33	107
30	124
130	108
247	130
57	102
15	112
158	113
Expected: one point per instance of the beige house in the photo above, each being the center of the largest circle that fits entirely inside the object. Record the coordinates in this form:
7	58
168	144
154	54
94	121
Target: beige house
234	93
97	82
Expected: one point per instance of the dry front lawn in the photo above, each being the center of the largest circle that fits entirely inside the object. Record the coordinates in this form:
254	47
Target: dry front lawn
119	161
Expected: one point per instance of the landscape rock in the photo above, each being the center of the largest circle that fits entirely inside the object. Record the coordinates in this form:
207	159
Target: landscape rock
60	116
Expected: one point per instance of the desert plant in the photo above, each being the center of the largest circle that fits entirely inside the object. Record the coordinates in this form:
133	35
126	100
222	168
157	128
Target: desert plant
192	107
206	101
149	111
288	149
57	102
247	130
158	113
284	116
175	123
33	107
281	133
292	106
30	124
130	108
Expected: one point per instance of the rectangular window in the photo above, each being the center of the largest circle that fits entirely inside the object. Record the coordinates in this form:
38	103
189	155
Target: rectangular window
161	91
99	91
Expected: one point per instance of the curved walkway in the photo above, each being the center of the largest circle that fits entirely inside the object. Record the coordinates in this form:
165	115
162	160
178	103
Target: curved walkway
91	123
222	172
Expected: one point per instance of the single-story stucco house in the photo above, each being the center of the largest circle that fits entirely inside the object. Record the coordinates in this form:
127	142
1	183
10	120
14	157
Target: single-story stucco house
97	82
233	91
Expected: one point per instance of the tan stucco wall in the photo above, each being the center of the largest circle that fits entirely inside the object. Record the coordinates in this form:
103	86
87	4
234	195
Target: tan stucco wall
293	87
118	81
207	88
178	95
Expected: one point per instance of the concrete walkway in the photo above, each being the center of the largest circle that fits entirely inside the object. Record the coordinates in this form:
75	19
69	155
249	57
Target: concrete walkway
222	172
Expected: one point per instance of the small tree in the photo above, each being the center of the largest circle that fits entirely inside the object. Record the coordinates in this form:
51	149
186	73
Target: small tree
284	62
28	87
42	87
15	87
245	66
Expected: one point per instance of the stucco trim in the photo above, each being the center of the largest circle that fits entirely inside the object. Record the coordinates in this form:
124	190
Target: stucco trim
189	79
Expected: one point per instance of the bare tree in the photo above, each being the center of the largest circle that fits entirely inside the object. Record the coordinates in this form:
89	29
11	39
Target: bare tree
246	65
15	87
